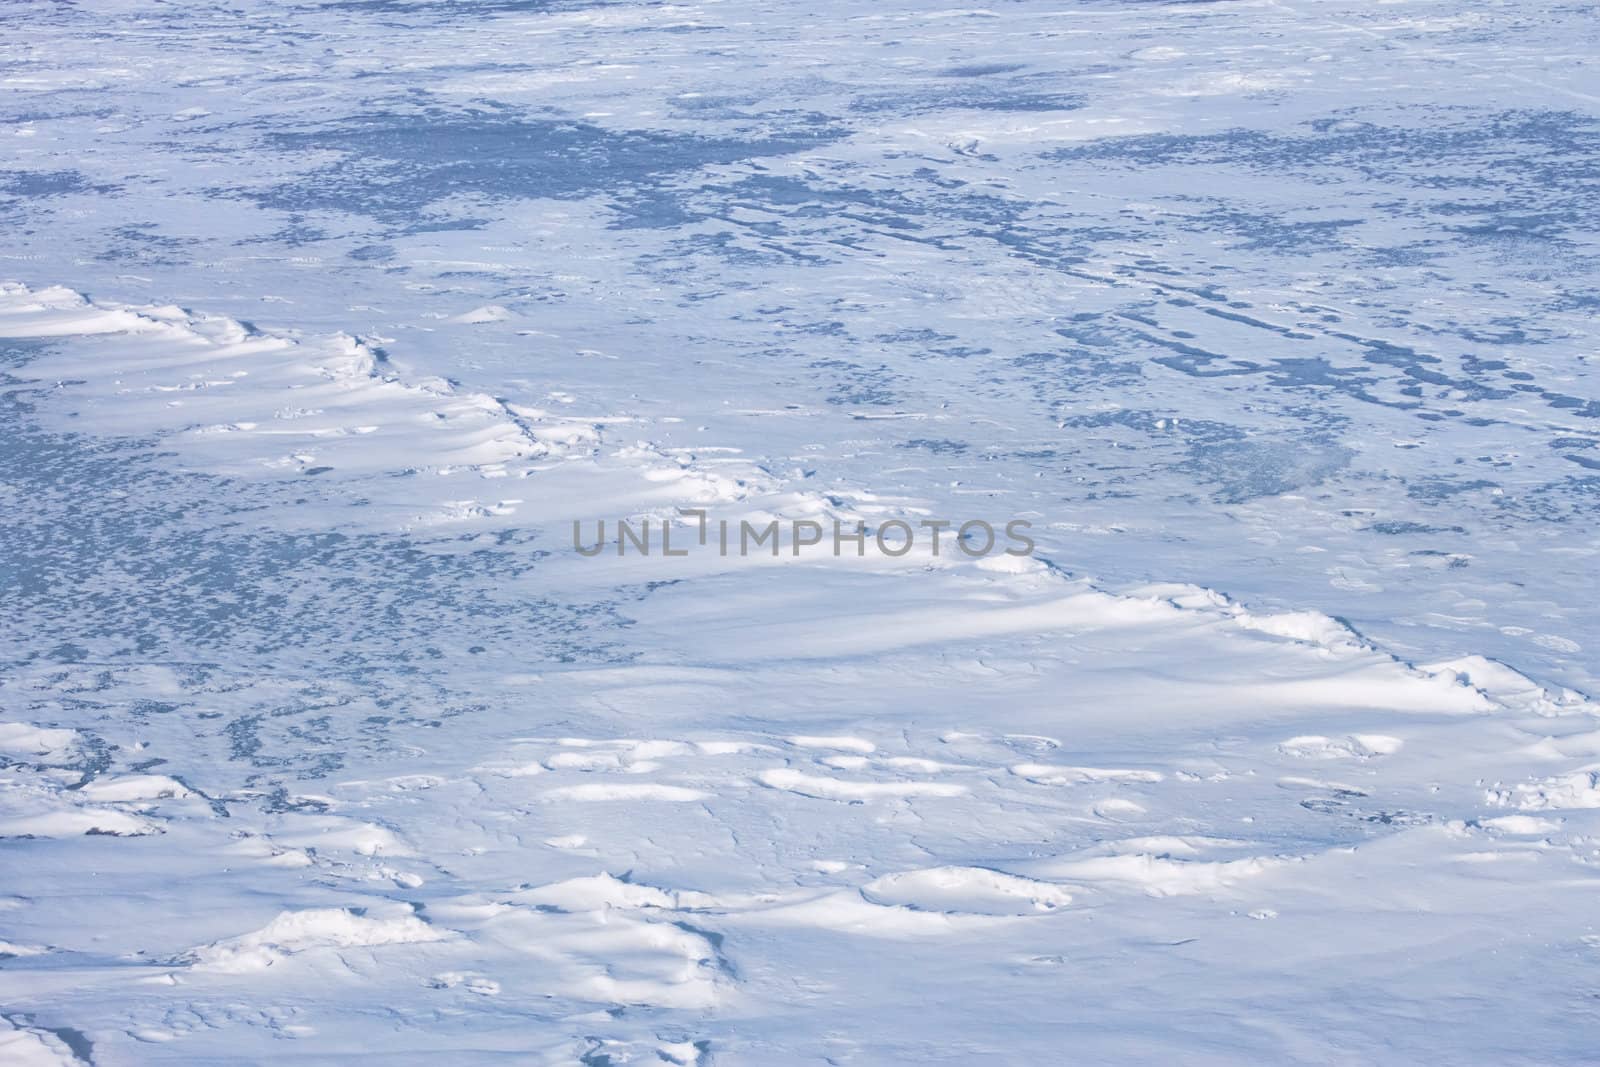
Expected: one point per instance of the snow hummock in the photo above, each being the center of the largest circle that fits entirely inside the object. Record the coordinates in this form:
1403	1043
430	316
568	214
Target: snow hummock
294	932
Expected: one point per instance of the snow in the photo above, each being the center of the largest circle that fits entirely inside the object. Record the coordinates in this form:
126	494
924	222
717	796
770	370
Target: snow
292	933
320	738
25	1046
21	739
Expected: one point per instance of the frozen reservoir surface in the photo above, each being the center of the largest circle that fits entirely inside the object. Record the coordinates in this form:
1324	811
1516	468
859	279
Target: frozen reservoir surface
322	321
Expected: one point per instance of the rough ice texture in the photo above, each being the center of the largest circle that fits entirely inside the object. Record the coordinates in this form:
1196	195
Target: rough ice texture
318	741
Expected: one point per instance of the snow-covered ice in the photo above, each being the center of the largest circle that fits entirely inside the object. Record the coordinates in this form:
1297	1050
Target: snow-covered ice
322	738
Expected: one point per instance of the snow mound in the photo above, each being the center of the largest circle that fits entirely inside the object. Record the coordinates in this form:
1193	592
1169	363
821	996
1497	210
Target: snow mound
27	1046
315	928
968	890
22	739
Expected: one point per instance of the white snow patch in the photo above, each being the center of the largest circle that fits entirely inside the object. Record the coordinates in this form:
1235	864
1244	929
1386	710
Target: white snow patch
597	791
22	739
838	789
1048	774
300	931
970	890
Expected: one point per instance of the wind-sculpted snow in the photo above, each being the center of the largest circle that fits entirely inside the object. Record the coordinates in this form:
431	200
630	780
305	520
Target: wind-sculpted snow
453	818
1274	297
321	735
